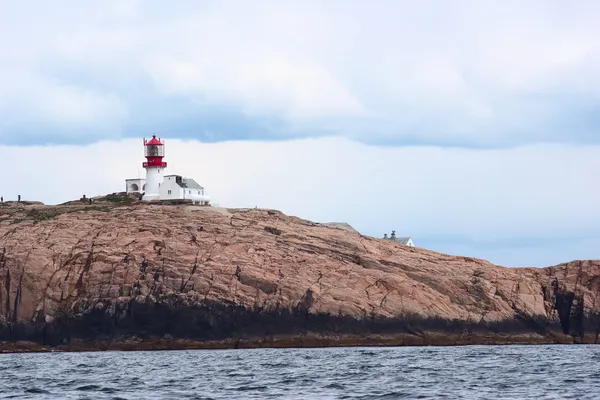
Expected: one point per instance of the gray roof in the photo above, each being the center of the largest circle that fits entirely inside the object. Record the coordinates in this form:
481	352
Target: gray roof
191	184
187	183
341	225
402	240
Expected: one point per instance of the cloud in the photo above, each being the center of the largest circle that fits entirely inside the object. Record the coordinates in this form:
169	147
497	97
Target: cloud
491	74
268	84
532	205
55	111
481	118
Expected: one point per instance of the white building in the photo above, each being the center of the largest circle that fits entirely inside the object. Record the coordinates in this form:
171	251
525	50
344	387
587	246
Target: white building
135	185
178	187
167	187
402	240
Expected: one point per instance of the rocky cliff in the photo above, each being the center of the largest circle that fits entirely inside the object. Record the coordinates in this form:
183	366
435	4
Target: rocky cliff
135	276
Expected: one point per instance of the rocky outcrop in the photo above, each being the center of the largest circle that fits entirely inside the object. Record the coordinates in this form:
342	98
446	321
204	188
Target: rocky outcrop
135	276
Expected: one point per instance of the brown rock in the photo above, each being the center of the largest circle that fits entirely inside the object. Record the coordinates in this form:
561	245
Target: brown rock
83	276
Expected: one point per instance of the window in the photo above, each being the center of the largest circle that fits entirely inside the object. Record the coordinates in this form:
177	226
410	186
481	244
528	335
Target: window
169	192
153	151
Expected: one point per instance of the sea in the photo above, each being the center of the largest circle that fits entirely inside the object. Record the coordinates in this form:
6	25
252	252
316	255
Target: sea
466	372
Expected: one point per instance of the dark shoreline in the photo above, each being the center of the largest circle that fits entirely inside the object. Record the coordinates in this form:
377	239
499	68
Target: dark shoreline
172	323
438	340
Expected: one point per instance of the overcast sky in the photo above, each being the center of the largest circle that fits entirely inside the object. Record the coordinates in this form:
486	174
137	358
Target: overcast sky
470	125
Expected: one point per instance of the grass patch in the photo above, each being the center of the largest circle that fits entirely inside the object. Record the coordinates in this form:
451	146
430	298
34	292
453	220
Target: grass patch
39	215
116	199
90	208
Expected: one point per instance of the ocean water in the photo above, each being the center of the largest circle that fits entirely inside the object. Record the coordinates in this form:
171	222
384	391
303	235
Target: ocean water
470	372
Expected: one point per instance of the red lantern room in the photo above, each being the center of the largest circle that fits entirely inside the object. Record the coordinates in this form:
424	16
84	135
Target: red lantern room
154	151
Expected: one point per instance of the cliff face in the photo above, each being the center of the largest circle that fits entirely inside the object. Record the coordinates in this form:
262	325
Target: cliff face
150	276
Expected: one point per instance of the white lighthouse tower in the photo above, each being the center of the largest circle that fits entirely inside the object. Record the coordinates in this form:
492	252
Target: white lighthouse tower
154	151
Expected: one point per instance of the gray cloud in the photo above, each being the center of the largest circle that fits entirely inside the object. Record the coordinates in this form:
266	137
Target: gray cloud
485	74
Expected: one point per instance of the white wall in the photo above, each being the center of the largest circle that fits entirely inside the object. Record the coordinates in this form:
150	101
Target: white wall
170	190
154	177
140	182
193	192
197	195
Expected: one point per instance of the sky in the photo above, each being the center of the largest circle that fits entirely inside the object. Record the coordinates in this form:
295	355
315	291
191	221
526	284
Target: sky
472	126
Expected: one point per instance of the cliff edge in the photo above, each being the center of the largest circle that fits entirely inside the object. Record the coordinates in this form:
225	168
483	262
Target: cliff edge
140	276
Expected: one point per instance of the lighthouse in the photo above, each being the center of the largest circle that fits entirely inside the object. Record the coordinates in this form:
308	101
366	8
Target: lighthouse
154	151
158	186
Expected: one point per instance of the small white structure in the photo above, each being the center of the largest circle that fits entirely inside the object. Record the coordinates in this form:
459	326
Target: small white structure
135	185
402	240
159	187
